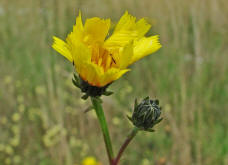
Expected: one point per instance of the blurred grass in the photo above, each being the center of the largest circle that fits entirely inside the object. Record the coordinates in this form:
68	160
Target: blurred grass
41	113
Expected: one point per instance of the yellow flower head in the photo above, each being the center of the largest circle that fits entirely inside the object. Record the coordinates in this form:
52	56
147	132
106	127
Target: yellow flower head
100	60
90	161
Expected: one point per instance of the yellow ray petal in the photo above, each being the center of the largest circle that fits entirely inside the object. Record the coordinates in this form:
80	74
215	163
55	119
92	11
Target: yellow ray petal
142	27
120	39
123	32
126	55
61	47
96	29
145	46
81	54
95	75
126	30
77	34
112	75
126	22
79	25
91	73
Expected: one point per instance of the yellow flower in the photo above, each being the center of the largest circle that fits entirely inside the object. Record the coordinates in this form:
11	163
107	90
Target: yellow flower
100	60
90	161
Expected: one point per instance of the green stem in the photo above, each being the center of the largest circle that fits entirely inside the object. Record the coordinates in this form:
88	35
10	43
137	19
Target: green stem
125	144
103	124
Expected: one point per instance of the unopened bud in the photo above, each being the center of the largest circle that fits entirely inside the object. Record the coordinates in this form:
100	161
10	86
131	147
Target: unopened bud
146	114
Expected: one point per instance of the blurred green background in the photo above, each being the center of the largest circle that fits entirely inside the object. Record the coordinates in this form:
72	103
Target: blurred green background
41	114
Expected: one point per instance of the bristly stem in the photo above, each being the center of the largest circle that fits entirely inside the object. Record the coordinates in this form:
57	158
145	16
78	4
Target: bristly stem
104	127
125	144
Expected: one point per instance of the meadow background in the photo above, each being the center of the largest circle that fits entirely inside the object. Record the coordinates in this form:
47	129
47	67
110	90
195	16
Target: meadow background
41	114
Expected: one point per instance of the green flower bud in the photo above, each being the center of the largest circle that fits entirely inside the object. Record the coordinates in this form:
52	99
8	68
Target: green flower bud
146	114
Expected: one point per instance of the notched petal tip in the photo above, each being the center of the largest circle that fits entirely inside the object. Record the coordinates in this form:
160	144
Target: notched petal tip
79	13
145	46
142	27
156	43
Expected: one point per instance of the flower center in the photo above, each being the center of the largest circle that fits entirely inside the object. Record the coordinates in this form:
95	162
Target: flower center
103	57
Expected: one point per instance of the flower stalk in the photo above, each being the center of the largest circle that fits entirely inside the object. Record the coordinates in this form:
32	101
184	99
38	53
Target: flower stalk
104	127
125	144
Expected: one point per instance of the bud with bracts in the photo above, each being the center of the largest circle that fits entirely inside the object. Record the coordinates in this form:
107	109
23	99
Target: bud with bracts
146	114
